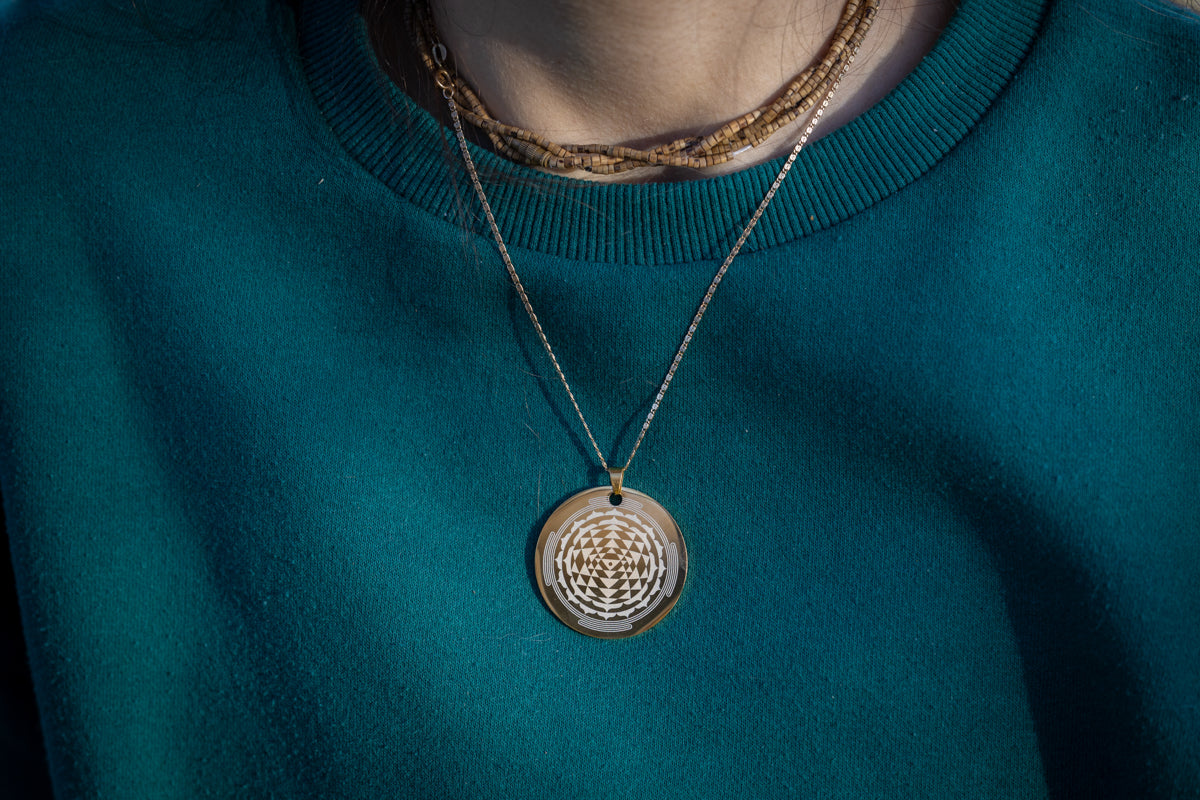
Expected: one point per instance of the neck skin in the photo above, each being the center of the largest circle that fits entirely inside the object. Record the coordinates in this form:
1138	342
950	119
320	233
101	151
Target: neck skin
641	72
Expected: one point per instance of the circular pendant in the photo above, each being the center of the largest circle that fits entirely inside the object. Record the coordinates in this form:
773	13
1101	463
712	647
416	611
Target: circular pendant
608	570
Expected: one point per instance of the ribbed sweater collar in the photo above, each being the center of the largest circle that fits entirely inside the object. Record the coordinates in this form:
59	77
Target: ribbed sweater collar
839	175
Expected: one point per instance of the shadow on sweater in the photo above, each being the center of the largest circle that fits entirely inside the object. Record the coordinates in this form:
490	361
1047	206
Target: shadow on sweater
22	756
1083	699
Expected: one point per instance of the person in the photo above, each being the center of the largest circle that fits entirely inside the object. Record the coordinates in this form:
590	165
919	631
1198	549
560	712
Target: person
284	453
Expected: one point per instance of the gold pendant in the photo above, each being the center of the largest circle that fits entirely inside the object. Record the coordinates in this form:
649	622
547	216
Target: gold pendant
610	570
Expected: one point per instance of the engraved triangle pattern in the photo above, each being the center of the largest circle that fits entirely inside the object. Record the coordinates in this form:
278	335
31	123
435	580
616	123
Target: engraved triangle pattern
611	567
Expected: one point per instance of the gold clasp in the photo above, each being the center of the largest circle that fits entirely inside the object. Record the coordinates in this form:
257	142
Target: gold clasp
441	75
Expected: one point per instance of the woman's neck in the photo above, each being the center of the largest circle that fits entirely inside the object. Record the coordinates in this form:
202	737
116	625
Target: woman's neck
639	72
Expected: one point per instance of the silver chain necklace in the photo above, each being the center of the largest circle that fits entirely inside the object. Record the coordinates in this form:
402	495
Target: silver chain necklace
611	561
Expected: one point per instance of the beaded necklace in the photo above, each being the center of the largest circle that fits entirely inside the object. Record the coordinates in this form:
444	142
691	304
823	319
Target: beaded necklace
794	100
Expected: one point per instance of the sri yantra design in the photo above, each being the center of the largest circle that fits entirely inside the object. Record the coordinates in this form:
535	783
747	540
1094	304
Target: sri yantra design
610	565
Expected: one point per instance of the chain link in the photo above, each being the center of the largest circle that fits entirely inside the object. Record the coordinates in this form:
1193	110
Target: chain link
704	302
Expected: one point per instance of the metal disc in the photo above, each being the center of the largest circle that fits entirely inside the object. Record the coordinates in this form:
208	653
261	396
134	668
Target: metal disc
607	570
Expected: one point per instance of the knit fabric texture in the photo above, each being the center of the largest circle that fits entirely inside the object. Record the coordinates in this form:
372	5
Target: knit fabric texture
277	439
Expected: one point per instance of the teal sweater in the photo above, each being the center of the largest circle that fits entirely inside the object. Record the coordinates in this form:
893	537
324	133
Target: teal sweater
276	439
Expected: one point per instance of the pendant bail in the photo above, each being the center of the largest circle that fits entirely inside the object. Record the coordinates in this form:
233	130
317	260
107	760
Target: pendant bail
616	476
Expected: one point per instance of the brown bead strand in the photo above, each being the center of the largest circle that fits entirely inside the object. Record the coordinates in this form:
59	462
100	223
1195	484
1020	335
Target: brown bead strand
696	152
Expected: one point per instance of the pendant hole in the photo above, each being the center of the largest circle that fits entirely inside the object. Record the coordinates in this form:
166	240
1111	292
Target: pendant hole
615	499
